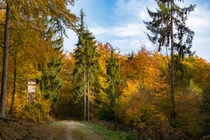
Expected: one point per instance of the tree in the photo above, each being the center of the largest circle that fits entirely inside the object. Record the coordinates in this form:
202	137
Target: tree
92	68
86	63
168	29
51	83
100	97
205	107
205	103
80	68
14	82
113	69
5	62
25	13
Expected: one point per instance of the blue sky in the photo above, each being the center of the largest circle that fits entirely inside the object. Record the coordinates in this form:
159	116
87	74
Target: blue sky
120	22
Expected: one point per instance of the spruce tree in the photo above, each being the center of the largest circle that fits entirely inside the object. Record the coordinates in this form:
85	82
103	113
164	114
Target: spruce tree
113	69
51	83
92	68
168	28
86	65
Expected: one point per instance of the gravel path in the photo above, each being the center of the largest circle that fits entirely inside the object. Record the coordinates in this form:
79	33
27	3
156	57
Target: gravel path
79	131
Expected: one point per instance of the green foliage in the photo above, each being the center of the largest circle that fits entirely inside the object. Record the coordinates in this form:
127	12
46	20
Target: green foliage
160	26
113	69
85	57
86	66
107	134
51	83
168	29
205	107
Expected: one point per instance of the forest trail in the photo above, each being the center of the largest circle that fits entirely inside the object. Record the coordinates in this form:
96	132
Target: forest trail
76	130
80	130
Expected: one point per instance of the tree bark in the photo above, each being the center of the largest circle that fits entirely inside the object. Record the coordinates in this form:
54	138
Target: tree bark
5	63
173	115
84	95
81	115
14	86
88	101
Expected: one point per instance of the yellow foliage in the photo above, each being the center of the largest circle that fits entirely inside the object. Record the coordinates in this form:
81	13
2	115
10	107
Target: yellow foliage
2	16
36	110
134	107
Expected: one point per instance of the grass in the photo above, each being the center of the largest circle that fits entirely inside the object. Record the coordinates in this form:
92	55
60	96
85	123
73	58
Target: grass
88	131
59	130
107	134
78	134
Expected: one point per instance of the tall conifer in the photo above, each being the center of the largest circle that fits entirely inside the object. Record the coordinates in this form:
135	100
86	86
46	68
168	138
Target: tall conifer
113	69
168	28
86	64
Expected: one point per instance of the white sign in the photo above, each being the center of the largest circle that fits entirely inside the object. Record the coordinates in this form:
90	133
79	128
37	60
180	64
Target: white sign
31	88
31	83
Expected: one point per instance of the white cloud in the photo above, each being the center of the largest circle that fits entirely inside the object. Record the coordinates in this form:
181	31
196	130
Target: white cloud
127	31
133	7
129	34
199	19
199	22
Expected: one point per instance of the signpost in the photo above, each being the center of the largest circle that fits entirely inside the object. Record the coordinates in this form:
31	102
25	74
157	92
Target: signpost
31	89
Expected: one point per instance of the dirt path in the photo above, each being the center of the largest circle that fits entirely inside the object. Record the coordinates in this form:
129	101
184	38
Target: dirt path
79	131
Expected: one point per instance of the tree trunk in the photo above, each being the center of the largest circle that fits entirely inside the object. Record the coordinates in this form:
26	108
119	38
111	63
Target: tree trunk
173	115
14	86
81	115
84	95
70	107
5	63
88	101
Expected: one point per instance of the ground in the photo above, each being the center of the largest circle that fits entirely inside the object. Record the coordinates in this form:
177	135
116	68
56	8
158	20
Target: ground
60	130
77	130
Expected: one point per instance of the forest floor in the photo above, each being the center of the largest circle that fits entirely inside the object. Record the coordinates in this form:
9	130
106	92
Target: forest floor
77	130
60	130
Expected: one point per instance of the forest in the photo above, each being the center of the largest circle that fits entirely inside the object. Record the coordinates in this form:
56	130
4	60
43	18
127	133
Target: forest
154	95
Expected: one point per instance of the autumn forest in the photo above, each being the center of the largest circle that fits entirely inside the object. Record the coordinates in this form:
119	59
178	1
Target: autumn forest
150	94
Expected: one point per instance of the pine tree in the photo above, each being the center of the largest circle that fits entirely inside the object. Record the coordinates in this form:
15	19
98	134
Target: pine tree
92	68
86	64
51	83
113	69
168	29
